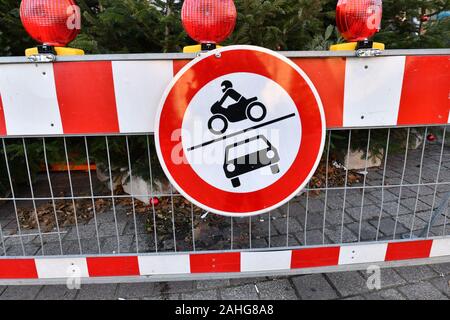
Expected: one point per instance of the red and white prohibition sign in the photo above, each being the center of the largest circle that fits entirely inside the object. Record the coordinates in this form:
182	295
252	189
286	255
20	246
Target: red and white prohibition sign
240	131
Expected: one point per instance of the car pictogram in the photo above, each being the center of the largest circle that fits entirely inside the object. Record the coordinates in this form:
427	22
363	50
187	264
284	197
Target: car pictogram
250	155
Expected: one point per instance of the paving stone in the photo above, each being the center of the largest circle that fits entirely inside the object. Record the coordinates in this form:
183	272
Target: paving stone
243	281
334	233
136	290
390	209
348	283
260	227
422	291
276	290
16	251
257	243
334	217
442	268
97	292
56	292
354	298
389	278
369	212
283	241
312	221
52	248
390	294
421	206
315	204
387	226
314	237
388	196
110	229
84	232
110	245
443	284
175	296
366	233
209	284
175	287
353	199
130	228
18	240
245	292
408	219
20	293
201	295
282	228
146	243
417	273
439	219
87	246
314	287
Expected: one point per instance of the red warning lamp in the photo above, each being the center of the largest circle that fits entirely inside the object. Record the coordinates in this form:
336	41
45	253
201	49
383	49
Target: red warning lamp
209	22
53	23
358	21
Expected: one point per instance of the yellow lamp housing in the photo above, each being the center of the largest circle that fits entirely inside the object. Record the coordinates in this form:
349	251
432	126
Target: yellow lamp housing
59	51
353	46
200	47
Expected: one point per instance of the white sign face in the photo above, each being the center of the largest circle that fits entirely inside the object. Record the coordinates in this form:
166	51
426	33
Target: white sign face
240	131
213	160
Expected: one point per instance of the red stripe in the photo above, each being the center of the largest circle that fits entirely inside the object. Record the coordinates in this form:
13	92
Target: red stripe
178	65
315	257
409	250
86	97
113	266
2	118
215	262
18	269
328	76
425	91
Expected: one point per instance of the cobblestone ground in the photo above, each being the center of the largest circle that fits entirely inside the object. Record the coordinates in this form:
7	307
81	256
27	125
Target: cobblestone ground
408	283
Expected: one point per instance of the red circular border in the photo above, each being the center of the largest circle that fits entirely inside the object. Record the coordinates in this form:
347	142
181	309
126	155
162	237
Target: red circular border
210	68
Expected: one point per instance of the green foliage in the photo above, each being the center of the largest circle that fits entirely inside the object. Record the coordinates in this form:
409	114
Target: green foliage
134	26
13	38
402	27
127	26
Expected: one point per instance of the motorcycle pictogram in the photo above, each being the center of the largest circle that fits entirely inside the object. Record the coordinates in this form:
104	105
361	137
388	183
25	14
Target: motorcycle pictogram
242	109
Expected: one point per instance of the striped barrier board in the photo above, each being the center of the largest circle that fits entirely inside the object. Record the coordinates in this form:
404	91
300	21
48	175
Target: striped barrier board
58	98
228	262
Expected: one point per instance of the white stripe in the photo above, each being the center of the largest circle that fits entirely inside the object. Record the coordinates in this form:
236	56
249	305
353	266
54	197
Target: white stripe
363	253
265	261
164	264
29	99
139	86
372	91
62	268
440	247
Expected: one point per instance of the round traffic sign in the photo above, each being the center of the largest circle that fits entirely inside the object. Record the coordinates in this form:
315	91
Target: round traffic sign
240	130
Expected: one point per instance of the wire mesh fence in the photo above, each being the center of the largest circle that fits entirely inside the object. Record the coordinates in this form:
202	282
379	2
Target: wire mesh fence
108	195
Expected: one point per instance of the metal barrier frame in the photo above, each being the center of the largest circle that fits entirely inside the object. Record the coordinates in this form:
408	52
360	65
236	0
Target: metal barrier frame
302	259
